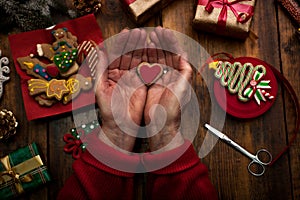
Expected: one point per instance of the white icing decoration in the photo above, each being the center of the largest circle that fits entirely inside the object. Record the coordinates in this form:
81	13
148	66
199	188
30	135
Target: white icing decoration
39	50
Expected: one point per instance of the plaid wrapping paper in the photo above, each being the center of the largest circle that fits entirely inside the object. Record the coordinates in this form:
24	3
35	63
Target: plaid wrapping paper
141	10
225	17
17	179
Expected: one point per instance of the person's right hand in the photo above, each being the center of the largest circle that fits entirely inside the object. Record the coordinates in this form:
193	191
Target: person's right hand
170	93
121	96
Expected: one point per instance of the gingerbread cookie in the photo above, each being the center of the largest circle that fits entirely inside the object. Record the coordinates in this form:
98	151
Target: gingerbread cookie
54	88
73	70
64	90
43	100
28	63
150	73
87	51
62	52
76	83
44	50
65	41
65	60
56	81
38	69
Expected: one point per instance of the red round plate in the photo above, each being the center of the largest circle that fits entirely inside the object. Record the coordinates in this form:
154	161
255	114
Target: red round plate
250	109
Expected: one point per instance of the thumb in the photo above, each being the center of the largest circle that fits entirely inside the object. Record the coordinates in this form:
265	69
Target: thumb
182	87
185	69
101	70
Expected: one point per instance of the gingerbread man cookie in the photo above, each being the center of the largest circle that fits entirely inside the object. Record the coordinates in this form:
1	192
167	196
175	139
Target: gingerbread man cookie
56	81
65	41
62	52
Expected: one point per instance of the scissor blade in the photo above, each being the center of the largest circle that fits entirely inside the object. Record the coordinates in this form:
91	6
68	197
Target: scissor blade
214	131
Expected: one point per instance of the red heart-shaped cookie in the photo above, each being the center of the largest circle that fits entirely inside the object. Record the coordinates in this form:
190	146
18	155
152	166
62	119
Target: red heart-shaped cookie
149	73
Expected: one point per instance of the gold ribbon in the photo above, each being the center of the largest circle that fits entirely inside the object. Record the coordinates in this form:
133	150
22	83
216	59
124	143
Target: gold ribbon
15	173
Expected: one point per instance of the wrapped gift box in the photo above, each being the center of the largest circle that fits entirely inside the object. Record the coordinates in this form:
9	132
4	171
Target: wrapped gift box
225	17
142	10
21	171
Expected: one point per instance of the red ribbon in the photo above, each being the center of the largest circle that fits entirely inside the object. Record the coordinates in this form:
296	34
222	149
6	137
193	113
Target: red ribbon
246	11
128	2
73	145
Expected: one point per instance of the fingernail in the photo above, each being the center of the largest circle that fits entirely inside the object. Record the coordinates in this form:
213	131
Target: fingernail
151	45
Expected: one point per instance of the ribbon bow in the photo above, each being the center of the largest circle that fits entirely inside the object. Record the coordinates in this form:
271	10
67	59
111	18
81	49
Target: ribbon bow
73	143
246	11
256	88
14	173
74	139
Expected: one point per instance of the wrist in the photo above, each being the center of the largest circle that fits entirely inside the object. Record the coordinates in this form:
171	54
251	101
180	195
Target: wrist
116	138
170	144
164	140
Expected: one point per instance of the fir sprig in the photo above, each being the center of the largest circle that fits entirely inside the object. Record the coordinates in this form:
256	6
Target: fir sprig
29	14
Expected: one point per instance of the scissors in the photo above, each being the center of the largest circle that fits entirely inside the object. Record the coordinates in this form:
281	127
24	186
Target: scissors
257	163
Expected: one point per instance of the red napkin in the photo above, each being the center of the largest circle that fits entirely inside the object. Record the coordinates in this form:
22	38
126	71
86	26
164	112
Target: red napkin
85	28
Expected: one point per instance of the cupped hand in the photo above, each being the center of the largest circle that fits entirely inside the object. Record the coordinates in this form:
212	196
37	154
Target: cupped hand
167	97
121	96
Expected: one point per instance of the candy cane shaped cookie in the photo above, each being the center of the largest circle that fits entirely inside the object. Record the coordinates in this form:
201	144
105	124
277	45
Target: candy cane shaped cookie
235	73
249	69
223	72
87	51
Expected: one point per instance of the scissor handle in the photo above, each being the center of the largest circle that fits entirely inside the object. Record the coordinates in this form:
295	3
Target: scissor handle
260	169
258	162
263	157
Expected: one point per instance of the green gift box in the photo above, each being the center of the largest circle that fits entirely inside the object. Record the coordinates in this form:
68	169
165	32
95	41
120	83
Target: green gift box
21	171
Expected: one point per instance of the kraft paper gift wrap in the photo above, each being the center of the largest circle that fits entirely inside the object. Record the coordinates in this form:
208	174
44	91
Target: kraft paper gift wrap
225	17
21	171
141	10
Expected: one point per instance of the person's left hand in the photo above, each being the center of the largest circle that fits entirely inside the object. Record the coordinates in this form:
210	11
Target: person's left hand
169	94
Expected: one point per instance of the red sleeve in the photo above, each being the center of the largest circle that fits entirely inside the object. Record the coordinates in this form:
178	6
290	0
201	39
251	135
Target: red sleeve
186	178
94	180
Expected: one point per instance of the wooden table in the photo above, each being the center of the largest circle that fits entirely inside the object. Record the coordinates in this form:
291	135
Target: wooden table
277	44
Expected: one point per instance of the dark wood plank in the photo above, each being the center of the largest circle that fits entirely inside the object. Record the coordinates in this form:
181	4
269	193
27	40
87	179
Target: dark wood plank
290	49
261	132
229	168
276	44
112	18
60	163
27	132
